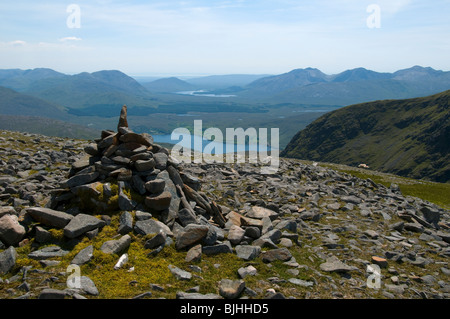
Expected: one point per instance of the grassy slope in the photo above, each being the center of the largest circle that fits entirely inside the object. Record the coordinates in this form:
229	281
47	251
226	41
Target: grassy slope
405	137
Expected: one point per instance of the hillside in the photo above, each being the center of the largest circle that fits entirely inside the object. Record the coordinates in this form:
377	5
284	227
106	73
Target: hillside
168	85
406	137
103	89
46	126
90	220
15	103
311	86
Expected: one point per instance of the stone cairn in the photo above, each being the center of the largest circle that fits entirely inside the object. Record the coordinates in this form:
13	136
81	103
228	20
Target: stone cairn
124	171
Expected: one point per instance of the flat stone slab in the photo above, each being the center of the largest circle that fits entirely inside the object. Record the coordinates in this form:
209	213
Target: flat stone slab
81	224
47	253
49	217
180	274
333	264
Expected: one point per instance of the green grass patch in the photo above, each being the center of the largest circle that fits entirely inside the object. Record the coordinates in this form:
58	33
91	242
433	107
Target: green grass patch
437	193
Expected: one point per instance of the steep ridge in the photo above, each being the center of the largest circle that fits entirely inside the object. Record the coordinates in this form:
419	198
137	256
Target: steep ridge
406	137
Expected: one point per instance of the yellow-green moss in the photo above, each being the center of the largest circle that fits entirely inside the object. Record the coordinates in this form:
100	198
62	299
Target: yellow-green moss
57	234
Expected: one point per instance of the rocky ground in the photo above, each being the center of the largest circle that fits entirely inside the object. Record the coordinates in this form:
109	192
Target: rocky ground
305	232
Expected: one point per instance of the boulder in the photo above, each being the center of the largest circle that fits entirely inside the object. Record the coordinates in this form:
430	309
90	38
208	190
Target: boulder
191	234
235	234
151	226
49	217
155	186
7	260
11	232
159	202
231	289
248	252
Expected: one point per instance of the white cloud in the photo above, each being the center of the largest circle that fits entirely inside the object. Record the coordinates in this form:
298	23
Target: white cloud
69	39
17	43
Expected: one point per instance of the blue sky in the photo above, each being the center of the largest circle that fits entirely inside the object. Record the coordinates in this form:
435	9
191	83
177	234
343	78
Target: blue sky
224	37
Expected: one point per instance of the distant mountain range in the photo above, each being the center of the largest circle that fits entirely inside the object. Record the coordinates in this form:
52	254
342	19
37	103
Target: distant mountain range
311	86
103	89
110	89
406	137
96	97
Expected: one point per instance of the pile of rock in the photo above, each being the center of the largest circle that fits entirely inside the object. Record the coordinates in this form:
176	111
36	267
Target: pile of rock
124	171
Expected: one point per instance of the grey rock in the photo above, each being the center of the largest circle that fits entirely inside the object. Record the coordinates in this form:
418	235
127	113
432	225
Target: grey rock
235	234
11	232
224	248
191	235
185	217
252	232
179	273
80	179
47	253
158	240
7	260
333	264
231	289
282	254
300	282
140	215
138	184
88	286
116	246
155	186
351	199
160	160
168	217
42	235
126	203
144	165
247	271
261	212
431	215
248	252
414	227
290	225
81	224
428	279
126	223
49	217
396	289
84	256
274	235
7	210
194	254
159	202
151	226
